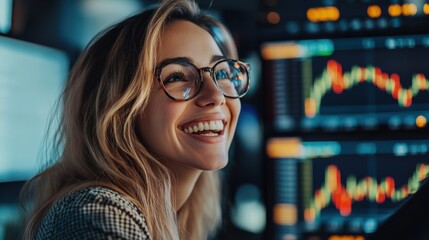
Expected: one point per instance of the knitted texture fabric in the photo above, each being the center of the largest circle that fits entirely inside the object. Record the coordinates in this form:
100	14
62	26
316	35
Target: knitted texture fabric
93	213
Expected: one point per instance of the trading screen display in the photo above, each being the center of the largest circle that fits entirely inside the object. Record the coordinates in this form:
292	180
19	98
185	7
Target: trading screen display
328	189
349	83
316	17
347	136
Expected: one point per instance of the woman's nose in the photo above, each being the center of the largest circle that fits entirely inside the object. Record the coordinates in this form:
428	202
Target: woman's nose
210	93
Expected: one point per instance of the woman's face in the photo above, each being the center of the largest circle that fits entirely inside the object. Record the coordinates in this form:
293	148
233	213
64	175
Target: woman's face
164	125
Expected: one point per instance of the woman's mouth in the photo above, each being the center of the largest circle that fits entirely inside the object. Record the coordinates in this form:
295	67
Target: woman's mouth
205	128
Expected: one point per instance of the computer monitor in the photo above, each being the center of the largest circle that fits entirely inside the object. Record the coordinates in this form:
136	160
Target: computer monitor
31	79
347	136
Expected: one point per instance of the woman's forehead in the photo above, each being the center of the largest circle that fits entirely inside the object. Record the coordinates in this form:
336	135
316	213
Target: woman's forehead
183	38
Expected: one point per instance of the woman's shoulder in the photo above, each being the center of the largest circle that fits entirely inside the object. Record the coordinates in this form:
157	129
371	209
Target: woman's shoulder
93	213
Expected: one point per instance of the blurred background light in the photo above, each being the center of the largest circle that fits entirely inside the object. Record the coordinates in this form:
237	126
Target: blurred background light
30	82
82	20
249	211
5	15
249	129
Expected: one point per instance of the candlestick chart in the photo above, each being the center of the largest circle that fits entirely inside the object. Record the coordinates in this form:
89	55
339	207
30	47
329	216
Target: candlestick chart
342	196
351	83
348	135
335	79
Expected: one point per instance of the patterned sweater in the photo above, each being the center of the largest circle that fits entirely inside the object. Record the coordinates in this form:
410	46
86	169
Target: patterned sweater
93	213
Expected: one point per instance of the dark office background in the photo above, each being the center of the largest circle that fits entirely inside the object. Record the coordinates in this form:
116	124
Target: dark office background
287	145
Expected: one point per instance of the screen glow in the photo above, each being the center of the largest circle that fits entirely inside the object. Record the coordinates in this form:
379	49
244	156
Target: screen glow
5	15
31	78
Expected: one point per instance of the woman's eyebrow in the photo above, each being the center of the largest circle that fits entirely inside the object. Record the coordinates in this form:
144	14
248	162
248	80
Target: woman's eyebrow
175	60
216	58
213	59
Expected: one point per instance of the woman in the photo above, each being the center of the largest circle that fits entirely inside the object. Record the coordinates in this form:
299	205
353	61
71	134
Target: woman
150	110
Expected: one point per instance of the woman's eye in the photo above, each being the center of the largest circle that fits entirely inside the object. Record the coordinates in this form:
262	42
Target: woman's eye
175	77
222	74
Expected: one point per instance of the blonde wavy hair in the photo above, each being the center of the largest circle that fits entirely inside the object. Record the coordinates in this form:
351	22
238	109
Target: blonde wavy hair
97	142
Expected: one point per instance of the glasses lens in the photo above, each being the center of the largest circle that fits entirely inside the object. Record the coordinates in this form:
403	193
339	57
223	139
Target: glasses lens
181	81
232	78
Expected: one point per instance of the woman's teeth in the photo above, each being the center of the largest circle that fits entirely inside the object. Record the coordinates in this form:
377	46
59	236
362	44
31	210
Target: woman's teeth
214	126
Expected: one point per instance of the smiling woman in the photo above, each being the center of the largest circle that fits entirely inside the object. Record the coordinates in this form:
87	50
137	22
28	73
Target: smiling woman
150	110
206	105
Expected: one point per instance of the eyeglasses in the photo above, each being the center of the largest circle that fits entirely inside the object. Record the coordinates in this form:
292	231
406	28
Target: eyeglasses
182	80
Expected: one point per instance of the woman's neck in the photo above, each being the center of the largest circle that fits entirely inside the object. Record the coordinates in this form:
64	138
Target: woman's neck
183	184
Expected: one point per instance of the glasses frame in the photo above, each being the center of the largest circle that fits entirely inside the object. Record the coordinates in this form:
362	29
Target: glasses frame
201	72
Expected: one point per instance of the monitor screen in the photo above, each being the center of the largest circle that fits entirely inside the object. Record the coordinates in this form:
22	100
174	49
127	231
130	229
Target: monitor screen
348	84
31	79
347	138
